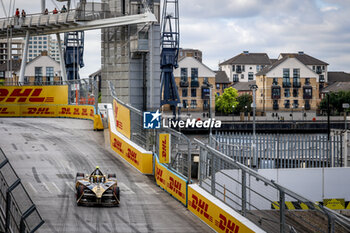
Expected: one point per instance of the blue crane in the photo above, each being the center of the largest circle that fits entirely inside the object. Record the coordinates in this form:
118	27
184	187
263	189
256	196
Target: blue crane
73	53
170	39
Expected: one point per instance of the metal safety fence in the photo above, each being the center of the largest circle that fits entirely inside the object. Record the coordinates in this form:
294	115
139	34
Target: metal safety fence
17	211
180	152
140	136
259	199
282	150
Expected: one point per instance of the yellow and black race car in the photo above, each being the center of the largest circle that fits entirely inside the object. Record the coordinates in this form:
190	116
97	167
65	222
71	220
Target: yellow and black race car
97	189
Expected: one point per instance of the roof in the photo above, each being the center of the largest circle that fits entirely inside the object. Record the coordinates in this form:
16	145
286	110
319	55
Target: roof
16	65
221	77
337	86
243	86
271	67
336	76
273	60
98	72
305	59
40	56
248	59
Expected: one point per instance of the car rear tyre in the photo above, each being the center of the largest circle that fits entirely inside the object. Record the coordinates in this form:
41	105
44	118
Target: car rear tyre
116	192
80	174
111	176
80	192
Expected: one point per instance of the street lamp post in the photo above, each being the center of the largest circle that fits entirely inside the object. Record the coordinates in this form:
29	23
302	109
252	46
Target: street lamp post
233	113
328	117
255	162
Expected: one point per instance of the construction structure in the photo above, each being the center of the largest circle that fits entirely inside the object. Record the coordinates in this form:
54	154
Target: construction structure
131	56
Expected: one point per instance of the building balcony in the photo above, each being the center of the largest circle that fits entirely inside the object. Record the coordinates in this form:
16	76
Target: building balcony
238	71
275	83
184	83
307	97
287	106
194	84
296	84
275	107
205	107
287	84
318	71
321	80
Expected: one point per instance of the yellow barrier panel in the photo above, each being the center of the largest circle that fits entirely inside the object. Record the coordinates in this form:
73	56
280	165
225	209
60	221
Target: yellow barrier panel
122	116
79	111
98	125
171	182
211	214
76	111
164	147
141	161
48	95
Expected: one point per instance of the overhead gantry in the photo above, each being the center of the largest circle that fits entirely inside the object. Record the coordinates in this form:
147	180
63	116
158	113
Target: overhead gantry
87	16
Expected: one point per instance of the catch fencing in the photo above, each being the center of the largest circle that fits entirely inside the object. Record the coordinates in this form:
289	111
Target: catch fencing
140	136
18	214
259	199
282	150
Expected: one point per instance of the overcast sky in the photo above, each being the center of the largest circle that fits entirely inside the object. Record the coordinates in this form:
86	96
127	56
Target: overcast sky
224	28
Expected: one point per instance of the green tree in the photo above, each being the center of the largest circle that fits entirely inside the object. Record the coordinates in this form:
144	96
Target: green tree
244	100
336	101
227	100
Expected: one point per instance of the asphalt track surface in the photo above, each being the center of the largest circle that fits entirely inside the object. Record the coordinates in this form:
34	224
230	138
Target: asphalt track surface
47	153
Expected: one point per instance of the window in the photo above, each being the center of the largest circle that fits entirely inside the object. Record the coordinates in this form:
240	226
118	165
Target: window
233	67
38	75
34	37
40	46
296	73
276	93
286	78
45	47
242	76
224	86
217	86
307	105
323	68
30	55
184	75
286	92
45	42
238	68
184	92
321	78
205	93
243	68
40	42
35	46
193	103
295	93
295	104
35	42
205	81
250	76
49	74
275	81
39	38
308	93
217	93
286	104
2	74
307	81
205	105
193	92
194	74
30	51
313	68
235	78
184	103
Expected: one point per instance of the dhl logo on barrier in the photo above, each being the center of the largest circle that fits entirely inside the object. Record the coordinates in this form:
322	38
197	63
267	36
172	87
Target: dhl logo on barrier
213	215
81	112
5	111
141	161
201	207
164	148
335	204
34	95
122	118
171	182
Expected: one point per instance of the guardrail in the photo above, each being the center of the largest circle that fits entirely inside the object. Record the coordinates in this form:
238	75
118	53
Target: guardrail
259	199
18	214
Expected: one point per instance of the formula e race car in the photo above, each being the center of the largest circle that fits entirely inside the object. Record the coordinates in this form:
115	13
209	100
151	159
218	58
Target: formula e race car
97	189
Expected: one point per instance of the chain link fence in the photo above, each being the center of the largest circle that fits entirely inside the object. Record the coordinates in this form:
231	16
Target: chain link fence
259	199
282	150
17	211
